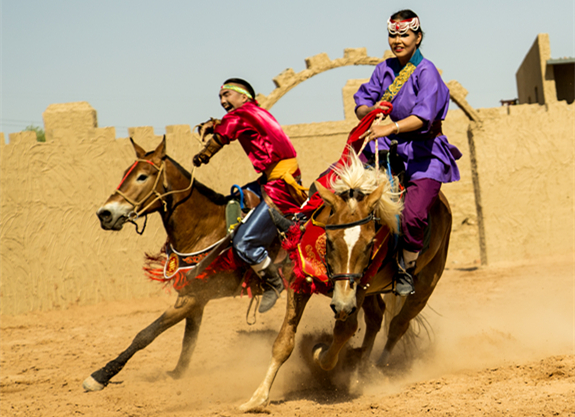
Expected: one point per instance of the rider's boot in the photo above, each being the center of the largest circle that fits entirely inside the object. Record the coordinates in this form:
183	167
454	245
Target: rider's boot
272	283
405	273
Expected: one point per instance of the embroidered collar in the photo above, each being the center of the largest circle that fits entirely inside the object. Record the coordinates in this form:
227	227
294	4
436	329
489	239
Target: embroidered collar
415	60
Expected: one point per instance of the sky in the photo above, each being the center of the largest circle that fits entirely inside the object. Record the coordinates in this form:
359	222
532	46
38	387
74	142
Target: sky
160	63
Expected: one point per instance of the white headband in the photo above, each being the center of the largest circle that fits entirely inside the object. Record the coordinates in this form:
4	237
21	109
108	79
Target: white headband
402	27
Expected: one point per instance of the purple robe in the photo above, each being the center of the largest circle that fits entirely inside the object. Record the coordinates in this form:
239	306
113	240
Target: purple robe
426	96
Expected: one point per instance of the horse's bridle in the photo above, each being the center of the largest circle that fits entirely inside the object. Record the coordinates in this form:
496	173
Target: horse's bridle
137	212
346	276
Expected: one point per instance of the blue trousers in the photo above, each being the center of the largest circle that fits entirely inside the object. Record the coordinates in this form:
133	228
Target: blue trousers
253	237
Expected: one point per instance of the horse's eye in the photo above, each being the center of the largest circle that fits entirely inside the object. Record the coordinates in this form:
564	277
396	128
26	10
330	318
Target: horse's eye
142	178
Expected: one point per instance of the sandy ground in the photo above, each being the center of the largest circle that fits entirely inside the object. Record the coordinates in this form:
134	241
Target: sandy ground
502	345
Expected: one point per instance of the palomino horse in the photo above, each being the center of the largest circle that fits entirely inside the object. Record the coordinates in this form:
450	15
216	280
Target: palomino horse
350	232
193	216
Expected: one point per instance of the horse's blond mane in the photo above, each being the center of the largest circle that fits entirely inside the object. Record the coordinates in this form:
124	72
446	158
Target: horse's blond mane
354	176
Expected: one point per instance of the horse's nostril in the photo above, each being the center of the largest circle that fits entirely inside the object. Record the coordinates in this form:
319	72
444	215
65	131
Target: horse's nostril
104	215
333	308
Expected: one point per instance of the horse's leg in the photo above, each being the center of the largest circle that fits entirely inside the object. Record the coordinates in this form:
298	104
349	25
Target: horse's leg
282	349
426	280
326	357
373	307
193	322
173	315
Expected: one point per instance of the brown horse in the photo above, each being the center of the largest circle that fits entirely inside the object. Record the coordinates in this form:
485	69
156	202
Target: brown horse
350	231
194	219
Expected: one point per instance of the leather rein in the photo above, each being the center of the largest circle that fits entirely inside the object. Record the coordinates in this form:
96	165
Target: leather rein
138	211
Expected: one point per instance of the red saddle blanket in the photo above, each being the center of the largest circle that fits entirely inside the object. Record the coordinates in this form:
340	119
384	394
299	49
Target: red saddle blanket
307	252
171	267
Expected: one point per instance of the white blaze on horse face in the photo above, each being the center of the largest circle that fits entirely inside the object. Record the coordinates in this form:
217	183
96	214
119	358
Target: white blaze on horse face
351	236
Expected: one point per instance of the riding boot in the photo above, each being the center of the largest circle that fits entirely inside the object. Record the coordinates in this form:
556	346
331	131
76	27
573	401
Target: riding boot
272	283
405	273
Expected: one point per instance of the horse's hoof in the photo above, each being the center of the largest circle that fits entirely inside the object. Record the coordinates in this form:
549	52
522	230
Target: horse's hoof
90	384
255	404
175	374
317	351
383	361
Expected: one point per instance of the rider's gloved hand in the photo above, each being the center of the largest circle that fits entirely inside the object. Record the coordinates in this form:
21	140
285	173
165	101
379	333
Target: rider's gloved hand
207	128
200	159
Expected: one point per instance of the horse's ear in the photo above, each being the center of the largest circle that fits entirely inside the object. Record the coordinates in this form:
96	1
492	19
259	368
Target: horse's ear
374	198
328	197
160	151
140	152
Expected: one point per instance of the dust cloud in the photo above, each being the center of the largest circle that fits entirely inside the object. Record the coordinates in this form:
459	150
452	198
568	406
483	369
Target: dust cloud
512	325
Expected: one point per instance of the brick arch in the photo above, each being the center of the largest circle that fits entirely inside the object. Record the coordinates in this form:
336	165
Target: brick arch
316	64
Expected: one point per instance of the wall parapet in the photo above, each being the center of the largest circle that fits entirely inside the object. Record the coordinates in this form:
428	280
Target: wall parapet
51	190
518	161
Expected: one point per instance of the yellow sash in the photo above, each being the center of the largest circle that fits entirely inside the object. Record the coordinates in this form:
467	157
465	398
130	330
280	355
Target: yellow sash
394	88
284	170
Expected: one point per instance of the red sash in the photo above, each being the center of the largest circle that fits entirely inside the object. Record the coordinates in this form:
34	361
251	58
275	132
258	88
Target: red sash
355	143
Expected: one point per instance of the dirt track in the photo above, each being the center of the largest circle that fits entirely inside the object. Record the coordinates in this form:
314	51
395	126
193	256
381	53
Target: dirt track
503	344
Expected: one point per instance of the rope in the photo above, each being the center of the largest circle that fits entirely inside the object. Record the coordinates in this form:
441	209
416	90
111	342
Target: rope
137	212
378	119
391	181
255	298
196	136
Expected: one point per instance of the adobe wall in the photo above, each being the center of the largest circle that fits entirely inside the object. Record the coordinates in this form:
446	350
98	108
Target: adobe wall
535	79
526	169
54	253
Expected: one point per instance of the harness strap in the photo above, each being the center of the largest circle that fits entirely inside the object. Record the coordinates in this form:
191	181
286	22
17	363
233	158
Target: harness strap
161	170
365	220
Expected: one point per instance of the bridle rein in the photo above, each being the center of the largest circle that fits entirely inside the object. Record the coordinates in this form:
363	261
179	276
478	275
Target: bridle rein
345	276
138	211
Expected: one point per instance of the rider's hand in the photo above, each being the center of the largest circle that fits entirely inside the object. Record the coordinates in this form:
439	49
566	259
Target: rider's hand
382	105
363	111
379	131
207	128
200	159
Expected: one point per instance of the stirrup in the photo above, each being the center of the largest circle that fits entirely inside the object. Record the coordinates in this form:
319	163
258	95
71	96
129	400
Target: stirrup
403	284
403	280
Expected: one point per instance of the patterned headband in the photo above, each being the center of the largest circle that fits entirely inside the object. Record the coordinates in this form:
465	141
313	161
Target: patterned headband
402	27
237	89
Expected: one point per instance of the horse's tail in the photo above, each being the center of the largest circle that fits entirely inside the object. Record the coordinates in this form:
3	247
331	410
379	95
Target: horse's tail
418	327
